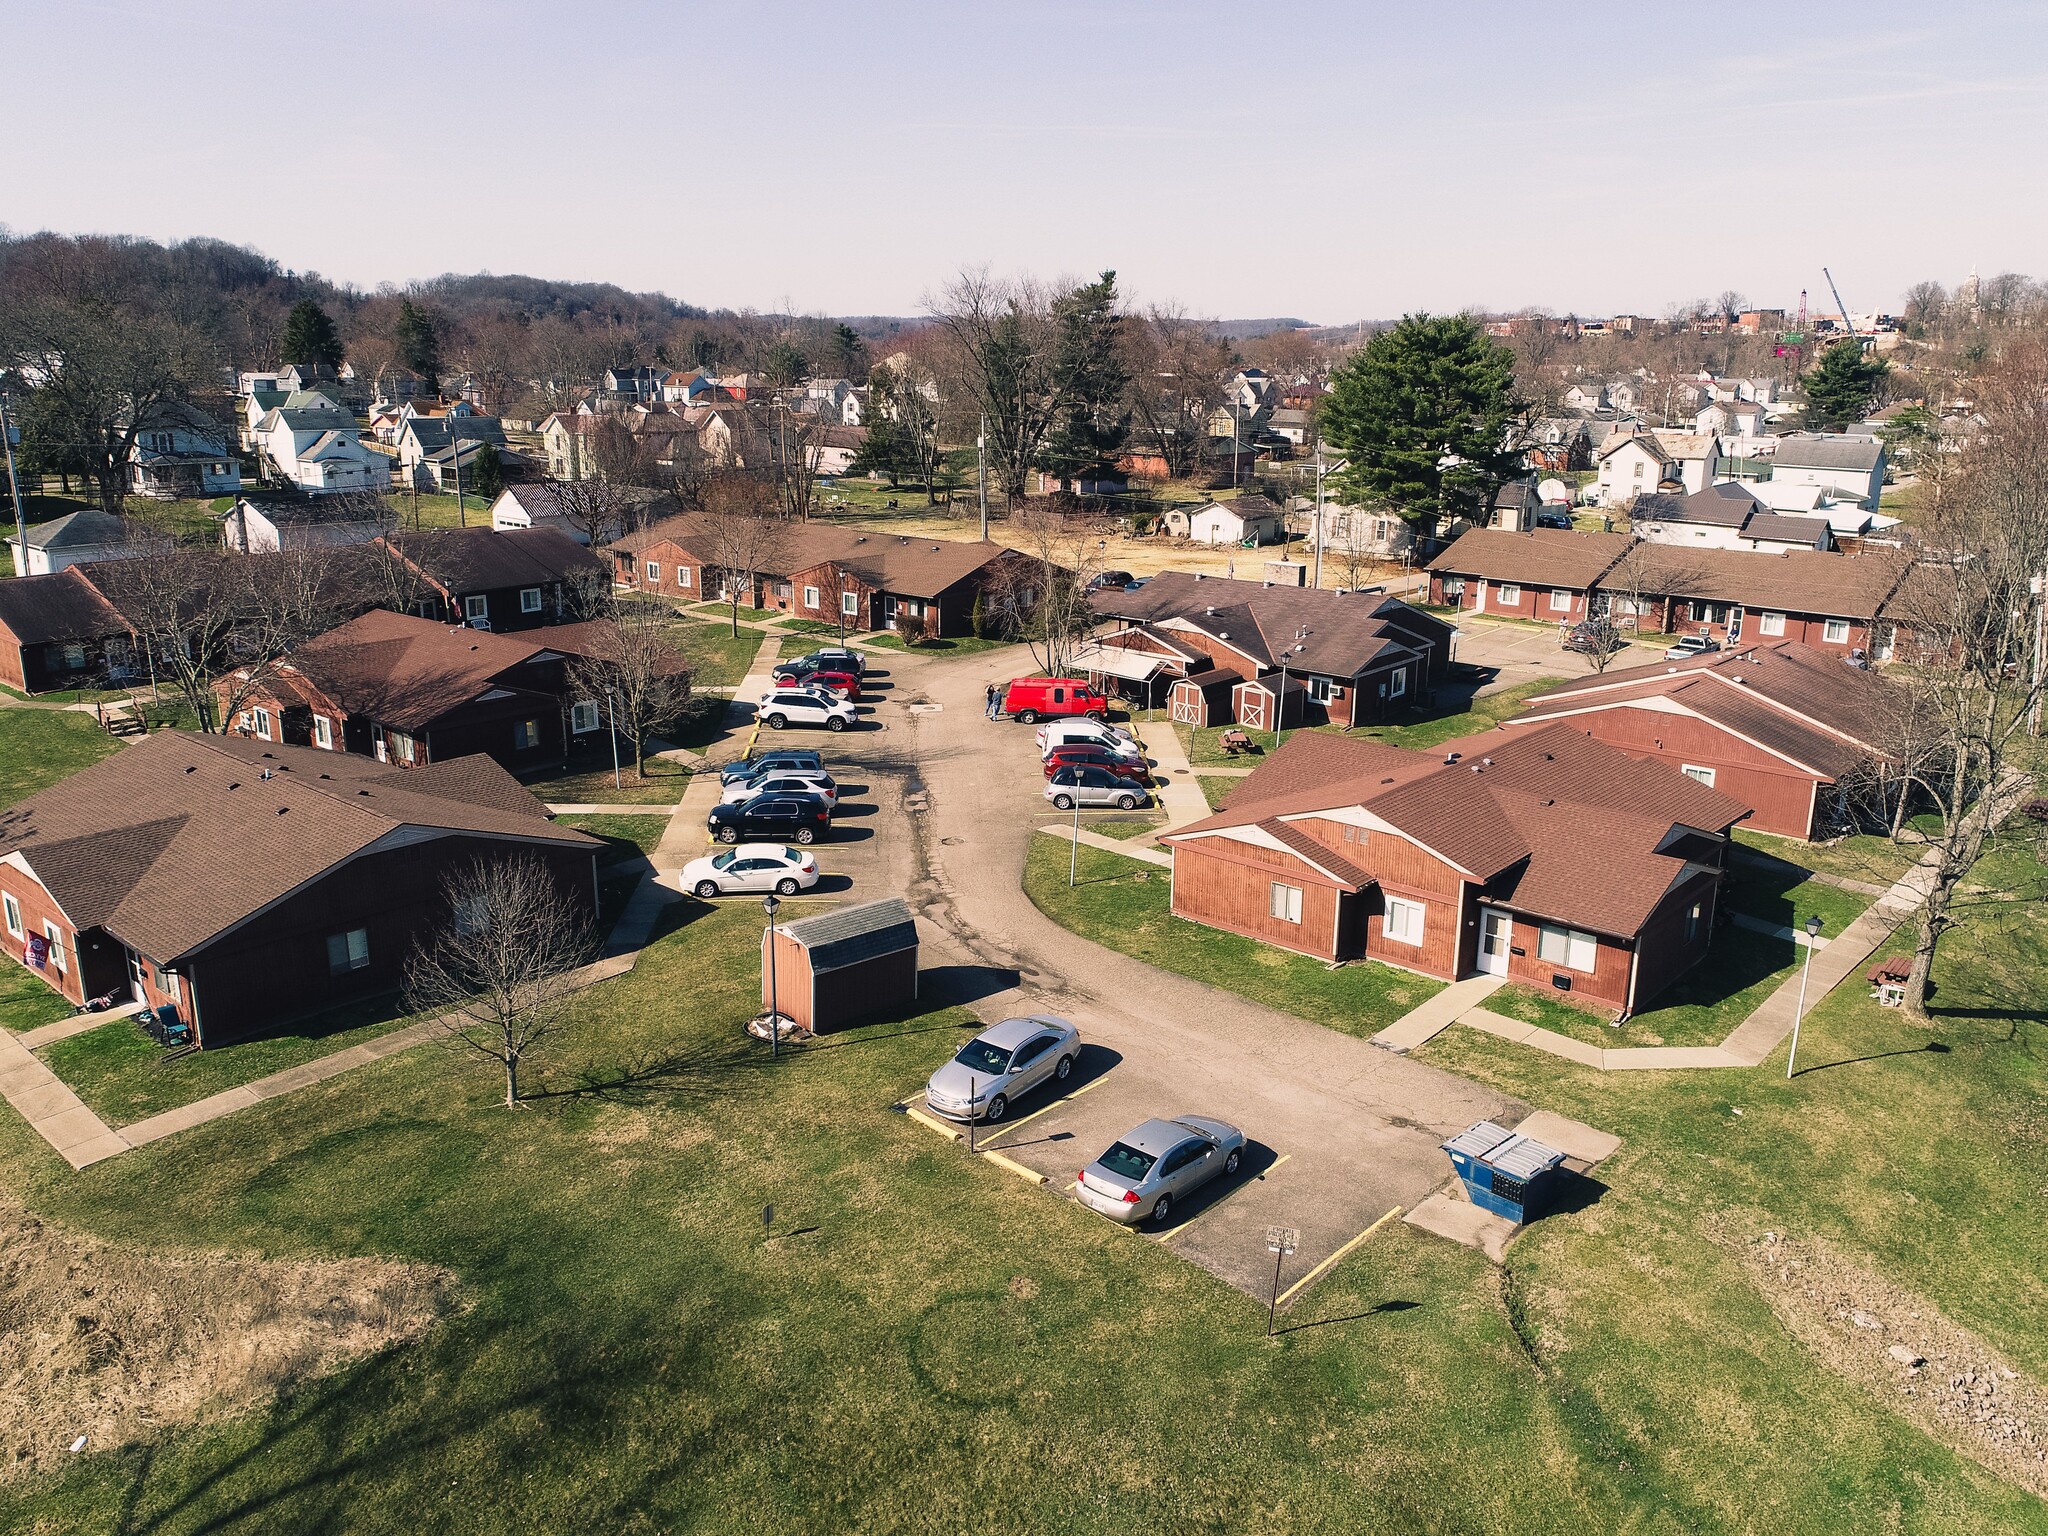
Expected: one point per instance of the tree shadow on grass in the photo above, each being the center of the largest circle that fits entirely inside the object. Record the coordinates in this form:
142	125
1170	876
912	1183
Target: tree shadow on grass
1355	1317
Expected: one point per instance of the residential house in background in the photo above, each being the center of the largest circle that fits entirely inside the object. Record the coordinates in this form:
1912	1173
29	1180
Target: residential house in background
1586	395
1636	463
77	538
1846	468
640	384
1784	728
317	449
1545	573
427	446
182	454
1560	444
236	884
536	504
832	448
260	524
1474	858
1726	516
1247	521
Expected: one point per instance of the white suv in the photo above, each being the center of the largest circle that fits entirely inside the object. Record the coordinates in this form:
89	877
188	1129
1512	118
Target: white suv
783	707
1058	733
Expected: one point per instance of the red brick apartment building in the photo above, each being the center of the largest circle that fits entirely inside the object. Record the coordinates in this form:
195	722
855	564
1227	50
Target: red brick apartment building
244	884
1539	855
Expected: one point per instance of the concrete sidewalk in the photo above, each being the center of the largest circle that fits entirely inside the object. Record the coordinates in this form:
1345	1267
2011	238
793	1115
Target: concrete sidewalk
1428	1020
52	1110
1132	849
1179	791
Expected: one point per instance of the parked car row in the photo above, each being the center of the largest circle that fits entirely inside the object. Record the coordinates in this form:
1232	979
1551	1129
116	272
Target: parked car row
1089	761
783	794
1140	1175
817	688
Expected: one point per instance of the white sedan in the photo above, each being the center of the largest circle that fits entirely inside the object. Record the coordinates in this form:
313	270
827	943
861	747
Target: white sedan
751	867
782	781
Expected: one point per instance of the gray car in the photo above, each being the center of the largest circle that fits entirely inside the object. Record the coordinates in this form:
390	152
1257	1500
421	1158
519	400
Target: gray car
1002	1062
1162	1161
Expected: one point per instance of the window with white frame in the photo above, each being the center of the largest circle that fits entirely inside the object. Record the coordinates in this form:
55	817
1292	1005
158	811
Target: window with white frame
14	924
261	719
56	937
849	604
1319	689
476	607
1560	600
323	733
1770	624
654	572
1568	947
1403	921
682	576
1703	775
348	951
1285	902
1508	592
810	597
1835	632
529	599
583	716
1397	684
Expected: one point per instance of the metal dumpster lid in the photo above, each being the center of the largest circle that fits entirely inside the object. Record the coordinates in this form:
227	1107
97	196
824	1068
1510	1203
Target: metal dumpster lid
1516	1156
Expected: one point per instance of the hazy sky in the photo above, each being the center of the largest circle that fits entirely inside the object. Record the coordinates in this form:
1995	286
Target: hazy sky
1329	161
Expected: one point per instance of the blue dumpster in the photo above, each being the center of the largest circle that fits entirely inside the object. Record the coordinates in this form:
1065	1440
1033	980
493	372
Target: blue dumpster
1498	1168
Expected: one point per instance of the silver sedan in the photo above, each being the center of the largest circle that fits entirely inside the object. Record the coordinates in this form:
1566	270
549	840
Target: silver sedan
1002	1062
1162	1161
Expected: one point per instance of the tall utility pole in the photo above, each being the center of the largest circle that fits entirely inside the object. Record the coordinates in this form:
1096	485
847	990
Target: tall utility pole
461	517
981	472
14	486
1318	583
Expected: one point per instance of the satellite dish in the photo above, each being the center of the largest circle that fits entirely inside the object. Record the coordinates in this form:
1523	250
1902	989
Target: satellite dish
1554	490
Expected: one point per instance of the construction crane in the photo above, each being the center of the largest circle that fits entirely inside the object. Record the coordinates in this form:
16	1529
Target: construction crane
1792	343
1847	324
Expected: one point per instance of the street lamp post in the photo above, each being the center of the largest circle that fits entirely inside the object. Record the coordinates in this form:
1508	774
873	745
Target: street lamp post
1074	857
1280	1242
770	905
1812	933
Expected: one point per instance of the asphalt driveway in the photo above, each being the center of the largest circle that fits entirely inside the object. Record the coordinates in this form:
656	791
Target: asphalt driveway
1342	1130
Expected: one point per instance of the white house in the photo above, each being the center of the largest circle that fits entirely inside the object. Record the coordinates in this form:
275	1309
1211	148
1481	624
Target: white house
1622	394
1247	520
1635	463
73	539
182	453
1729	418
262	525
1586	396
832	448
426	444
319	450
1846	468
1726	516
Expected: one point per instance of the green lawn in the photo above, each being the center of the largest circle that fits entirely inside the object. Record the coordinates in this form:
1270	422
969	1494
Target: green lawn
625	836
1419	733
588	780
634	1354
1122	904
1216	788
718	657
1872	860
955	645
26	1000
1123	827
125	1076
40	746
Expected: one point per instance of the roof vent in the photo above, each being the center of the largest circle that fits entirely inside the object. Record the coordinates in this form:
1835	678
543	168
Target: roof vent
266	772
1452	757
1487	760
326	775
1546	802
282	809
191	768
1201	575
1388	780
1548	757
1475	767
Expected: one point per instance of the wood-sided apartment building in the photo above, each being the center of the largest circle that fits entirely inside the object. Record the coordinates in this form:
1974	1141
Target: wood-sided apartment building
243	884
1216	651
1538	855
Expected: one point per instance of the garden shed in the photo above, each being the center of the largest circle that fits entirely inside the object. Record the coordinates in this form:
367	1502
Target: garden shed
1203	699
842	966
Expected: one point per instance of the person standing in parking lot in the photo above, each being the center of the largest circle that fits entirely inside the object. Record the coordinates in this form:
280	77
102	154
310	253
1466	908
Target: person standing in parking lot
991	697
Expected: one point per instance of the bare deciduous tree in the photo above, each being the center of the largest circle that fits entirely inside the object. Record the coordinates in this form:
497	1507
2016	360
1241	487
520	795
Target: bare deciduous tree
1040	596
1004	356
640	682
1968	615
743	533
1177	365
498	973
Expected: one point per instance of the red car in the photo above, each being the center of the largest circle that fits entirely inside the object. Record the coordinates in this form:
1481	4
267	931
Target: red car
1031	699
845	684
1076	754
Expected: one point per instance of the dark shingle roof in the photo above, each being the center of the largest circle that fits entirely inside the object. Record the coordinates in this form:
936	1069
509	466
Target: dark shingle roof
1828	453
483	559
88	528
1542	557
853	934
1346	631
171	841
61	606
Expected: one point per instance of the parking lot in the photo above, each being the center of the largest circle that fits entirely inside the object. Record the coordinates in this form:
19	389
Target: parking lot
1519	652
1339	1131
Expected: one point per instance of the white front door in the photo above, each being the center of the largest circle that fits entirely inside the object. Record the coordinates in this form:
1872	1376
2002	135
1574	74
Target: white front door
1496	932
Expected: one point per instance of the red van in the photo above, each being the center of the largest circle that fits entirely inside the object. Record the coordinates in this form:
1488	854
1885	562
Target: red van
1031	698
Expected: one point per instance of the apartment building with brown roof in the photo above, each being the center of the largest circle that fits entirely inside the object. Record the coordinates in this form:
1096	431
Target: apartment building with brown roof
243	884
1539	855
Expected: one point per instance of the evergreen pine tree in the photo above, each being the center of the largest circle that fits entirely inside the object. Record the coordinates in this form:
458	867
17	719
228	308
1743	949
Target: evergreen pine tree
486	473
1095	419
310	338
848	351
1842	384
1430	389
419	343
